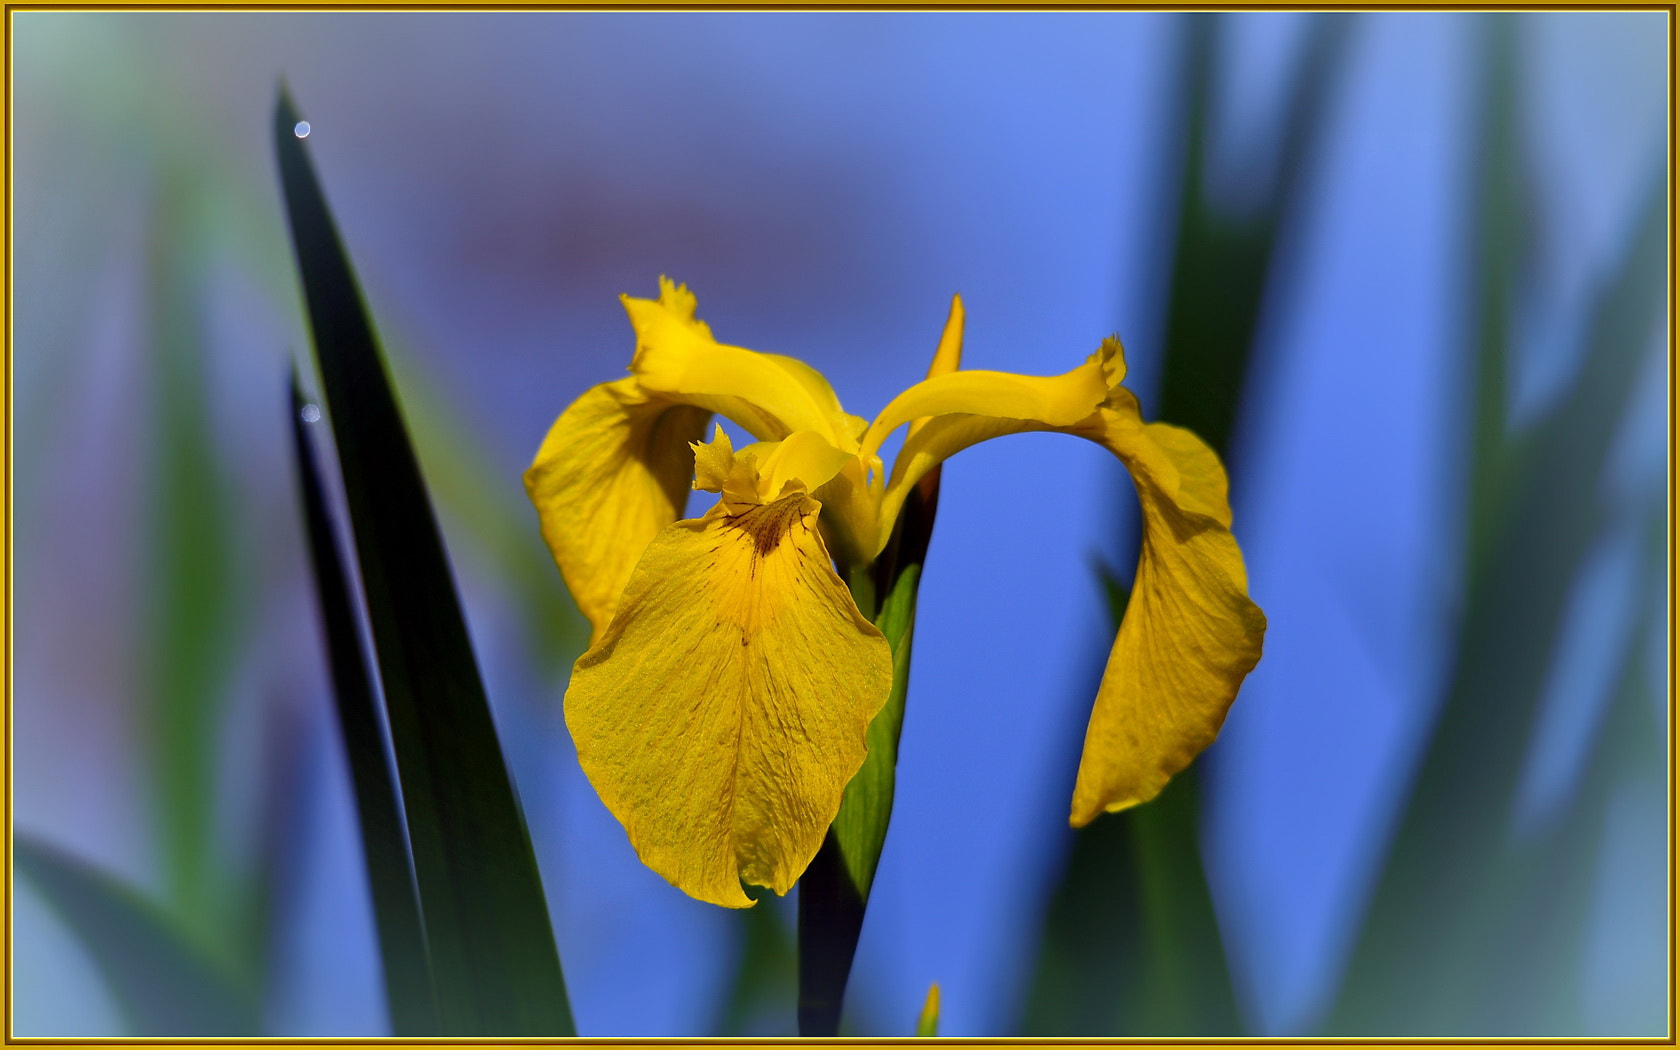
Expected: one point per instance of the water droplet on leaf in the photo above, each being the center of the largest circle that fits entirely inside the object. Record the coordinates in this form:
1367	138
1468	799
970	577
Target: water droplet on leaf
301	129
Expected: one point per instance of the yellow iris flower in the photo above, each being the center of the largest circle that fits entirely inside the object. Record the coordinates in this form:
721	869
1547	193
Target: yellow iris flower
722	704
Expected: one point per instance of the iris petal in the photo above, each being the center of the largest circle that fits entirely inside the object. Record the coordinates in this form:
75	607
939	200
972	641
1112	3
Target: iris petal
768	395
612	472
724	710
1190	633
1056	401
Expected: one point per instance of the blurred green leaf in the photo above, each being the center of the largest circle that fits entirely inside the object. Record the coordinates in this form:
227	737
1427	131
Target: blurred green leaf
765	985
192	607
1517	955
271	881
1131	944
495	967
402	944
1222	262
834	891
1424	960
164	983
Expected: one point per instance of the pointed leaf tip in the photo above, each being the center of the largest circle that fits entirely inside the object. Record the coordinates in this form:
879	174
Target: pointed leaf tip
482	905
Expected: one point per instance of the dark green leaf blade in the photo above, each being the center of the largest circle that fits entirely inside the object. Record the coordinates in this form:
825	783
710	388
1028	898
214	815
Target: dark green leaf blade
165	985
195	606
396	910
860	828
495	967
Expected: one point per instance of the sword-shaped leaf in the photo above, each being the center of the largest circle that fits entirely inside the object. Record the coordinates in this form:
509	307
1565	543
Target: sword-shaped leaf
396	910
495	967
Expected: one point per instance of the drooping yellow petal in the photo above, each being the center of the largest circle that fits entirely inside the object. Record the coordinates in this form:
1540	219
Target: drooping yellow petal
611	473
723	712
1190	634
768	395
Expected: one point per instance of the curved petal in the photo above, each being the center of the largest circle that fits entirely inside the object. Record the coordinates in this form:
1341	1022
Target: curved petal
851	512
613	471
967	408
1057	401
723	712
769	395
1190	634
823	395
929	445
804	459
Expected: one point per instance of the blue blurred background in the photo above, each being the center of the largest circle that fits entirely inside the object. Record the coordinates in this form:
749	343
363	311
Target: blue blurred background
824	182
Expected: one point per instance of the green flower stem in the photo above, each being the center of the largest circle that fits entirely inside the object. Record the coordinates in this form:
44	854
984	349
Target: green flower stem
834	890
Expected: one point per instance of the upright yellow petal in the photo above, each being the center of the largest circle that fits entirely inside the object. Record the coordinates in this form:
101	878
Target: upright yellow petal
723	712
851	502
611	473
1190	634
852	498
947	357
765	471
